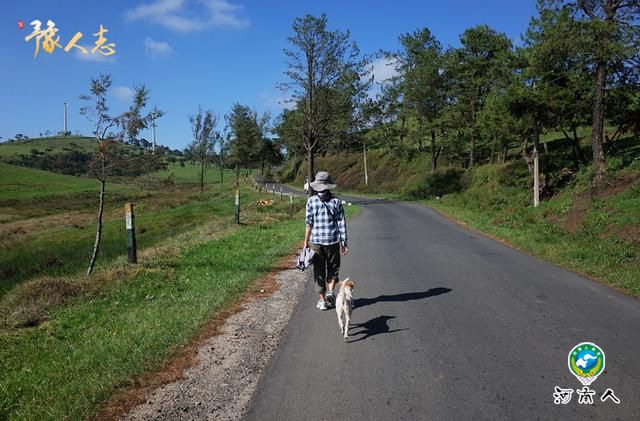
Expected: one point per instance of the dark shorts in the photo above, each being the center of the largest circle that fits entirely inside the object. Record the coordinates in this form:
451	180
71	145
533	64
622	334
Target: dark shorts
326	265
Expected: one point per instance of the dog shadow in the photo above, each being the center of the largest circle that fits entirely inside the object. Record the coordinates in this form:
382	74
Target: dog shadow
373	327
405	296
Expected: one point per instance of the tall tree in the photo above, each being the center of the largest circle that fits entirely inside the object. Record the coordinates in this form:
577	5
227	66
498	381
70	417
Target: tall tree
320	64
613	26
110	131
288	129
481	64
422	85
610	39
205	135
555	66
245	137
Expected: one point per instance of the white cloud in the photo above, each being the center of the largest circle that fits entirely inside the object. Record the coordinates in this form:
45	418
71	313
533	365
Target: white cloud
95	57
199	16
155	48
123	93
383	69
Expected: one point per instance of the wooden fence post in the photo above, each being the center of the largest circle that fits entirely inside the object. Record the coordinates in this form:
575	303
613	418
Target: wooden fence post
237	206
129	219
290	204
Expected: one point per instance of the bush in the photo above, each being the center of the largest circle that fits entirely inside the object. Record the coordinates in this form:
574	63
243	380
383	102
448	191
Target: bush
29	304
439	183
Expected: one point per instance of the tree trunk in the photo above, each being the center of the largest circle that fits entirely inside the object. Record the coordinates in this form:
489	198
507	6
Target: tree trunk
598	125
525	155
221	171
536	135
473	146
402	124
505	151
311	174
201	176
96	245
434	152
492	156
473	136
237	174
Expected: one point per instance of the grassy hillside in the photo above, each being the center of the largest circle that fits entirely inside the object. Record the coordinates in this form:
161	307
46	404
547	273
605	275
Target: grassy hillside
387	173
22	183
398	174
47	224
596	232
42	144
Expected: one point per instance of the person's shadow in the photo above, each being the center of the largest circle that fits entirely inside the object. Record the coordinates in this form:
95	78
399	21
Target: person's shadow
405	296
373	327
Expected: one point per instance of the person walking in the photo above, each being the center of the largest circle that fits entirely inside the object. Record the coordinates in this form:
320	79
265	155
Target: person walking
326	235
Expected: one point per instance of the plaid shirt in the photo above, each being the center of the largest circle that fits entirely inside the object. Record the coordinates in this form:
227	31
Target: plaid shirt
323	228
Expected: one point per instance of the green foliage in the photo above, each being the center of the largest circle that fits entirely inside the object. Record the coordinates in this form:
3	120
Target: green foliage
327	81
441	182
14	150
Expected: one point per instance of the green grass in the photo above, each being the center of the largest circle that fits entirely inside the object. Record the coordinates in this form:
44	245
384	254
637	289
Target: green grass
27	183
190	174
600	245
68	367
66	249
62	243
55	143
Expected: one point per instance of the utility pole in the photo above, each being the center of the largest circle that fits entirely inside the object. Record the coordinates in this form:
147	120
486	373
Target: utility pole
536	166
65	117
366	176
153	128
536	178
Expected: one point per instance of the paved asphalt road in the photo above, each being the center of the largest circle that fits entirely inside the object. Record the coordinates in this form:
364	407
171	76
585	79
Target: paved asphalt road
449	325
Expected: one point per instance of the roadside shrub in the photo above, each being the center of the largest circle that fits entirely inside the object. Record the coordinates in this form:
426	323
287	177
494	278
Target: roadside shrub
514	174
29	304
438	184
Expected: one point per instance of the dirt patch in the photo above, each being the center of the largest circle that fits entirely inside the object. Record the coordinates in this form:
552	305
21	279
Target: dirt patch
14	231
632	234
618	185
573	219
28	306
215	376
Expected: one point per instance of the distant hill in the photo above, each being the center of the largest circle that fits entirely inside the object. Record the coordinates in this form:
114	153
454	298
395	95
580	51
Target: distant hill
71	155
56	144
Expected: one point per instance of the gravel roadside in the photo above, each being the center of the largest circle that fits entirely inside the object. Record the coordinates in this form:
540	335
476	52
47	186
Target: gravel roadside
220	384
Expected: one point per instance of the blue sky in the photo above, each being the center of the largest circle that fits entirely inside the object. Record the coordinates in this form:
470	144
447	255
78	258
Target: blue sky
211	53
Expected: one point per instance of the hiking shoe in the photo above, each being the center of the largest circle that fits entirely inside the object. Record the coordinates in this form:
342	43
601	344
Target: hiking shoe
322	305
331	299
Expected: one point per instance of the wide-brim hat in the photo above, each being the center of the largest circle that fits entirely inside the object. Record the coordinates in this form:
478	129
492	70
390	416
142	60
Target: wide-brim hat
323	182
